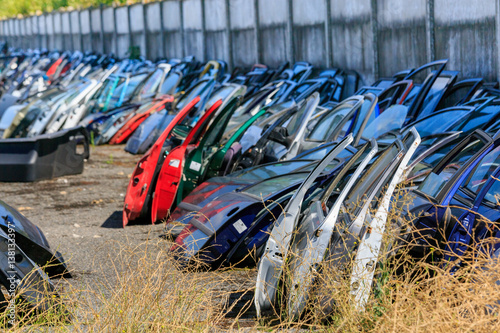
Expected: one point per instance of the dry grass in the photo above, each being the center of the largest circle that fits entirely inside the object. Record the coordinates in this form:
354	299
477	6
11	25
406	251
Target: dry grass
149	292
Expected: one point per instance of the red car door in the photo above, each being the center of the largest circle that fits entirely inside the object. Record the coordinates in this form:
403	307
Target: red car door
52	70
126	131
171	171
143	180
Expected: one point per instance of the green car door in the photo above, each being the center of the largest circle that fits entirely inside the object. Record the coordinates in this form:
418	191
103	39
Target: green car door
208	159
216	162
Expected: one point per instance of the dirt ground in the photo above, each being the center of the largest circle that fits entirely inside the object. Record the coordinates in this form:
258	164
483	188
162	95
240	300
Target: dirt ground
81	215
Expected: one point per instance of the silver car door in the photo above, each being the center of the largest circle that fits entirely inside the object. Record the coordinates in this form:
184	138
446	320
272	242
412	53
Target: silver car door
335	239
62	114
38	126
314	231
369	249
77	113
311	105
271	263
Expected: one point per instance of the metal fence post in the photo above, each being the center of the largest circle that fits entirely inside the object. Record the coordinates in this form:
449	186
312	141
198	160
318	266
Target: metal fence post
163	45
430	32
497	26
290	37
71	32
80	29
256	23
46	33
181	12
90	29
53	31
61	32
229	35
328	36
115	31
145	28
7	29
204	31
130	37
101	33
374	21
26	40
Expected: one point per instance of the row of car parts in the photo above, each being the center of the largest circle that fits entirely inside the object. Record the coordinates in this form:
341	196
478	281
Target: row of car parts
314	184
290	169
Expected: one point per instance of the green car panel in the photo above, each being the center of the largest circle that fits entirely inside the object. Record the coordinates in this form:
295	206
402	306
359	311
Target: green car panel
207	159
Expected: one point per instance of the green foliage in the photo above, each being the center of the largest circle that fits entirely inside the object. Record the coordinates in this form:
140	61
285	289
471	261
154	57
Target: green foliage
10	8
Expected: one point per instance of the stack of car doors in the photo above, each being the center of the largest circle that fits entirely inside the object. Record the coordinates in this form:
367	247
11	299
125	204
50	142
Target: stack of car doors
456	204
143	181
222	222
150	130
213	157
335	230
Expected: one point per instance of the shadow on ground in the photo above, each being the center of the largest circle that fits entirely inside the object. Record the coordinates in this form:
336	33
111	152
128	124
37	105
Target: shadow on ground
242	305
114	221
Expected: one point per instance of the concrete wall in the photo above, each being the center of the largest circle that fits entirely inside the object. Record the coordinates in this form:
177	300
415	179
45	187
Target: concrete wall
374	37
309	36
173	40
244	50
86	36
401	34
467	35
273	32
95	30
154	46
193	25
216	40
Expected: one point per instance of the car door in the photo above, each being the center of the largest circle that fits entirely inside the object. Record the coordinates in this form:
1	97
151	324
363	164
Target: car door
395	94
423	85
170	174
306	249
460	93
125	132
357	120
488	212
298	134
271	264
224	158
446	138
197	161
326	125
368	252
143	180
479	186
438	198
330	241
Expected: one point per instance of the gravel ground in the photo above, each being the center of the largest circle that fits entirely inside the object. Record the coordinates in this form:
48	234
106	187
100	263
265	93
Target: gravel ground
81	215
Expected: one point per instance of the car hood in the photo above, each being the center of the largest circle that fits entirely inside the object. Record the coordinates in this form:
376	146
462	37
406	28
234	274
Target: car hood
209	220
206	193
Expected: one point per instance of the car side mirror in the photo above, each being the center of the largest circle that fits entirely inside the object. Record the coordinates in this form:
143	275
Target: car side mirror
280	135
